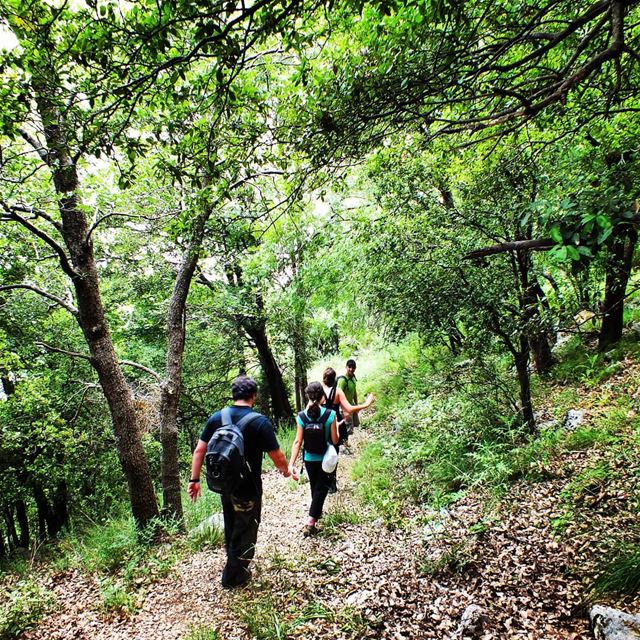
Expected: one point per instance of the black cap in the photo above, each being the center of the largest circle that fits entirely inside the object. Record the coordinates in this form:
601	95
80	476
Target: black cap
243	388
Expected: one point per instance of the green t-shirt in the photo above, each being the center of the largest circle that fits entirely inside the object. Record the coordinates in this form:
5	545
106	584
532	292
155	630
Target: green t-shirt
348	385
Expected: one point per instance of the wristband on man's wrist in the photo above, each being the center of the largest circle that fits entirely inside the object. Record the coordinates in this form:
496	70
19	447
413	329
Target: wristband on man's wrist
194	480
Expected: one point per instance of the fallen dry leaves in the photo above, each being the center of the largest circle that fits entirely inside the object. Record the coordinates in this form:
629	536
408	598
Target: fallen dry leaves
367	581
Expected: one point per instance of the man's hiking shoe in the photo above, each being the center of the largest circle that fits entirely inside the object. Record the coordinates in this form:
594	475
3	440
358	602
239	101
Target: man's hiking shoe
309	530
240	582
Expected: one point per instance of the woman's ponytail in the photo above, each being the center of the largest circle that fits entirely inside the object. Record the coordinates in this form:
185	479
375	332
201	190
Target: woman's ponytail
315	393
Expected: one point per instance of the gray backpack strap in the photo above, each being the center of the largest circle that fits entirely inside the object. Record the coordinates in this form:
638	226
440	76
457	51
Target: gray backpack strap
225	415
250	417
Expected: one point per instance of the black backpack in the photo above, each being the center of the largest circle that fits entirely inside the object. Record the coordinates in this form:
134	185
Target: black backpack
225	462
331	402
314	437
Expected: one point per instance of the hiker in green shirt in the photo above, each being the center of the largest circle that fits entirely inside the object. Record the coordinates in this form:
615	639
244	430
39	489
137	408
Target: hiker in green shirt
347	383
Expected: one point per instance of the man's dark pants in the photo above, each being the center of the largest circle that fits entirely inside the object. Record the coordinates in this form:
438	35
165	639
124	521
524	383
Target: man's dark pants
241	522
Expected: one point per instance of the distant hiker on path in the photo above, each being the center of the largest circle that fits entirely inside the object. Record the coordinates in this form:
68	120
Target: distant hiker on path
347	383
337	401
317	427
242	505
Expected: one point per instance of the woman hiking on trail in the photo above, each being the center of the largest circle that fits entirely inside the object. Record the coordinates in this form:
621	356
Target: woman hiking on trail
337	401
317	427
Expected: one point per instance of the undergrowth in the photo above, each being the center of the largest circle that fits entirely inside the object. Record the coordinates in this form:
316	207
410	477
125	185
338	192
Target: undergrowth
620	575
437	433
23	607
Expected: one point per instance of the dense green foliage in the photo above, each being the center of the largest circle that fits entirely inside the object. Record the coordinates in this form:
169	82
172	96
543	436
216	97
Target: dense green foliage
450	186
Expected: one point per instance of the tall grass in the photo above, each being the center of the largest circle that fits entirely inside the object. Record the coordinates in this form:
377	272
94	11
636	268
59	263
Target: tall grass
439	432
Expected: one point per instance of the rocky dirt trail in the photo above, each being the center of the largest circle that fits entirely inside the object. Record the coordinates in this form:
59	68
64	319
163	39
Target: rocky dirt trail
362	580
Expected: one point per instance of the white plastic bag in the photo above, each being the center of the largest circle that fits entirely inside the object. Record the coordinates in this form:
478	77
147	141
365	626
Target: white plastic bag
330	460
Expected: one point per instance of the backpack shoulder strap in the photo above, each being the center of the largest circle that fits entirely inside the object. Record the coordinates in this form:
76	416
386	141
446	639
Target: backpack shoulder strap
332	394
245	420
226	417
242	423
304	418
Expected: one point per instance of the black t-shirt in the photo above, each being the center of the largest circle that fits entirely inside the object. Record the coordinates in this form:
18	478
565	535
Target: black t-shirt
259	437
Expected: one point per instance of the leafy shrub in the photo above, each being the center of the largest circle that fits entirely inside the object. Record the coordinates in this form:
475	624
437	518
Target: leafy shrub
119	548
621	575
108	547
202	633
24	607
375	475
454	560
117	599
263	621
206	535
195	512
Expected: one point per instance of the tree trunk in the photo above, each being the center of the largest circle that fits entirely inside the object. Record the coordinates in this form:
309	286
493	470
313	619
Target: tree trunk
12	534
41	505
300	366
23	523
172	385
91	318
280	405
8	386
538	334
454	340
52	518
524	383
617	278
59	511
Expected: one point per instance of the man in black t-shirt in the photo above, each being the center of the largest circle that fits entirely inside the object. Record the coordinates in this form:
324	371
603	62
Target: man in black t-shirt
242	509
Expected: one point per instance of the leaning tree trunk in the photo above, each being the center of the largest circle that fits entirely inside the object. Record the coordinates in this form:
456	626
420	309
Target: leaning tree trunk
537	331
23	523
521	359
617	277
300	365
12	534
280	405
91	317
171	387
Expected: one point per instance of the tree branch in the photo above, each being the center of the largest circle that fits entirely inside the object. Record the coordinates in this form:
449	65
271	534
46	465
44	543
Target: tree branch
37	146
540	244
85	356
59	301
12	215
137	365
38	213
71	354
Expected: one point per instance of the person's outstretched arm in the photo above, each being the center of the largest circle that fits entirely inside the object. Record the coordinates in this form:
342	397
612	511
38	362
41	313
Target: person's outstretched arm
347	407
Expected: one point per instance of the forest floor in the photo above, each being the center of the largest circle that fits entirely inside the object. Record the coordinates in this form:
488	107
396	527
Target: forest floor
523	558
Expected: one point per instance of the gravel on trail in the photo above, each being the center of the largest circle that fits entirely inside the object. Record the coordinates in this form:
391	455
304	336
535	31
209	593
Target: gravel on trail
360	578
